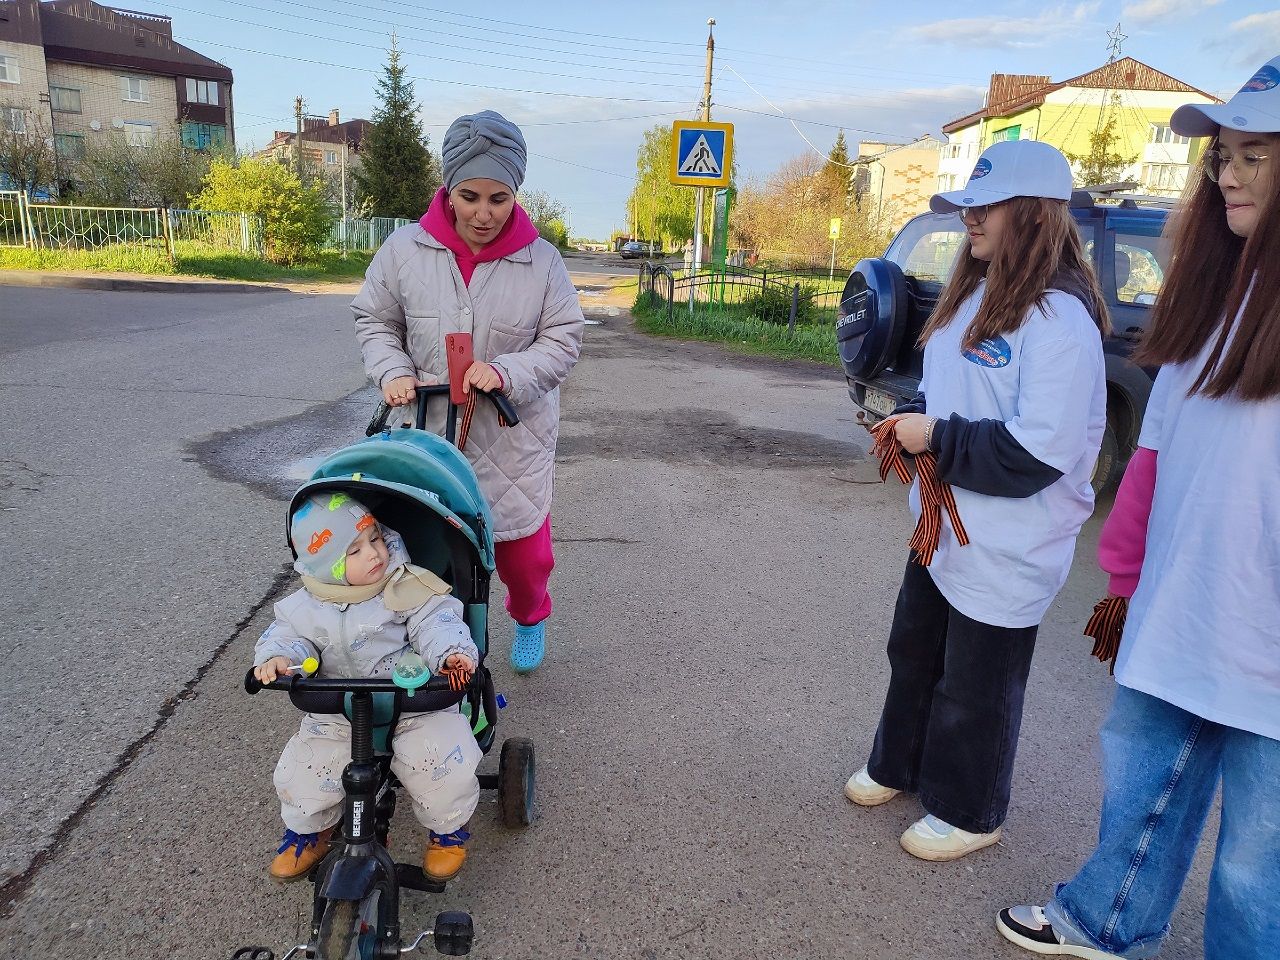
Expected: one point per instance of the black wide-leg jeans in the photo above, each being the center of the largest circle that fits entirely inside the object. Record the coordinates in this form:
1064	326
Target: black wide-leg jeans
949	728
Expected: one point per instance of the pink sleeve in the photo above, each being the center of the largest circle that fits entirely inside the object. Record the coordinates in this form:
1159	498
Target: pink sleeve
1123	543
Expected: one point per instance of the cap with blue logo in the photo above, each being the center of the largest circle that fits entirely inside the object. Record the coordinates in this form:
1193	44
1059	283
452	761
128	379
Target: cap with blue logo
1008	169
1255	109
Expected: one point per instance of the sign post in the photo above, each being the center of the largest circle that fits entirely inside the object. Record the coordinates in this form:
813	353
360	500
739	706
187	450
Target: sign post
835	235
701	156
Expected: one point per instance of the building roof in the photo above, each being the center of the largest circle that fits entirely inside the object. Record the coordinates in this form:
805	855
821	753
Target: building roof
1012	93
351	131
887	148
81	31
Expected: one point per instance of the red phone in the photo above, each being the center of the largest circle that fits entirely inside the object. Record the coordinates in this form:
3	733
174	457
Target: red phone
460	354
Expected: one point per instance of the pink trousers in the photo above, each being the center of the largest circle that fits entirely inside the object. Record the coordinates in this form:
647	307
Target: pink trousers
525	566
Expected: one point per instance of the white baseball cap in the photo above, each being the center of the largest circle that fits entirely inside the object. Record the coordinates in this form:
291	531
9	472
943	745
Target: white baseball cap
1008	169
1255	109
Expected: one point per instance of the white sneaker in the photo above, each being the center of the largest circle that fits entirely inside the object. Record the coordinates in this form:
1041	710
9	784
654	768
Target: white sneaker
865	792
1030	929
938	841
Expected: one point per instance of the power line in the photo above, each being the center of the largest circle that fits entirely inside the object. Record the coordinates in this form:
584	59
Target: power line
370	46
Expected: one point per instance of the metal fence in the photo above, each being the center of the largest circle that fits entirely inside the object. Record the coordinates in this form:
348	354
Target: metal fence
13	219
217	230
365	235
780	297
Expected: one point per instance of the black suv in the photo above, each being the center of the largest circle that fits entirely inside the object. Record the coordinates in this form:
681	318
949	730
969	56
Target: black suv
888	300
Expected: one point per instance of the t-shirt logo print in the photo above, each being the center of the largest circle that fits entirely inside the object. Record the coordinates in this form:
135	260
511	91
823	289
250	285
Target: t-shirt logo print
981	170
1268	78
993	352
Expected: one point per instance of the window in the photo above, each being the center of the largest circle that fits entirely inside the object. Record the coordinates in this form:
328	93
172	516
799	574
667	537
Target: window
69	146
8	69
1165	177
331	157
927	247
202	91
202	136
13	120
1008	133
139	134
134	89
64	99
1161	133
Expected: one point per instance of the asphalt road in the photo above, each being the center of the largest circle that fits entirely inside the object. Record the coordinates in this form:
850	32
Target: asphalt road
725	581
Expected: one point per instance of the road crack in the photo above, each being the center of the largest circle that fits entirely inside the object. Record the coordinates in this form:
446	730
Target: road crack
13	889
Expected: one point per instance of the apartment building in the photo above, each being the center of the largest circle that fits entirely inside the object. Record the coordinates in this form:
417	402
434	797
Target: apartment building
324	140
80	70
1136	98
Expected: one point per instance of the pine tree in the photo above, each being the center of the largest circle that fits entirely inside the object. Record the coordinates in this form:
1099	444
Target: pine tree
835	176
397	175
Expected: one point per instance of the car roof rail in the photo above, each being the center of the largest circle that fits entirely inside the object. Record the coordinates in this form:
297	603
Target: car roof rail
1081	200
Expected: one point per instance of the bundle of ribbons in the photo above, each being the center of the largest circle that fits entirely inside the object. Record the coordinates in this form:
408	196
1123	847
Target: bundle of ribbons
935	495
1106	626
468	412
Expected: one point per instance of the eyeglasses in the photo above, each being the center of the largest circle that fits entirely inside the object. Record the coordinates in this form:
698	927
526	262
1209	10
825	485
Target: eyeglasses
1244	166
977	215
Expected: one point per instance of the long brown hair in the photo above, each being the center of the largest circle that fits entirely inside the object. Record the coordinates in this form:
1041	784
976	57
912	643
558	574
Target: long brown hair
1041	249
1211	272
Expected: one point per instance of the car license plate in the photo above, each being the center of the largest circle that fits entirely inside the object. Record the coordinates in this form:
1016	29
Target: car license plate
878	402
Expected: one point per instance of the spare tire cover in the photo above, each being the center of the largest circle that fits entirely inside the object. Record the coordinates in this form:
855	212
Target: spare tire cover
872	318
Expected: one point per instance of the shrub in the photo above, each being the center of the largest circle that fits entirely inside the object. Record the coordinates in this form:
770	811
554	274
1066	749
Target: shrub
296	219
773	304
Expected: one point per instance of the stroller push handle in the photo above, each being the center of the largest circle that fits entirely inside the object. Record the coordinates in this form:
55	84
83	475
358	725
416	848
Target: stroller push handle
505	409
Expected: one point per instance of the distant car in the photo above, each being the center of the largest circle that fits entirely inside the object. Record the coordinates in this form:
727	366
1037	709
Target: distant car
888	300
635	250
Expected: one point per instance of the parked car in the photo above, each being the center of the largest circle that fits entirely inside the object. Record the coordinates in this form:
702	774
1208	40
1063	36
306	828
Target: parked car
887	301
634	250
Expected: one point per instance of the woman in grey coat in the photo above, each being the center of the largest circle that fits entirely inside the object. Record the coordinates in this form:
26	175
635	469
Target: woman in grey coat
475	264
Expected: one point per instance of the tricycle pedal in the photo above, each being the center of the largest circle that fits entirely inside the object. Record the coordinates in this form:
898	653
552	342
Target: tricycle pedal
411	877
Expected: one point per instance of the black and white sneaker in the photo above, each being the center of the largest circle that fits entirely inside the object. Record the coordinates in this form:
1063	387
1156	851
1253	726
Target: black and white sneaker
1030	929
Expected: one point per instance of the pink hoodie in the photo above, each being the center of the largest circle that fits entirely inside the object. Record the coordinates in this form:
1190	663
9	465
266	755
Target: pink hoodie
1123	543
440	221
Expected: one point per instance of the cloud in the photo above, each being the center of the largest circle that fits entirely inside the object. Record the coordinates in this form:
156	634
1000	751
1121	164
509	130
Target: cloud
1008	33
1255	38
1153	11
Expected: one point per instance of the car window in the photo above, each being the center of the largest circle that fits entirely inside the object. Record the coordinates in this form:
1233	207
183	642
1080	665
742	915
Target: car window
927	247
1140	259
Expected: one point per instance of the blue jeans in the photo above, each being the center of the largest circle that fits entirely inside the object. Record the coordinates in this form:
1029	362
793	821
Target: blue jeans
1161	768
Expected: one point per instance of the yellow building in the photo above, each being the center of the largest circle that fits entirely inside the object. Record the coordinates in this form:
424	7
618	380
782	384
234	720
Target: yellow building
1136	98
891	183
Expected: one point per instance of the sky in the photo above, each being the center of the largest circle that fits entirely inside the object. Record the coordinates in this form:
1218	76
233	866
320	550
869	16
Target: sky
584	80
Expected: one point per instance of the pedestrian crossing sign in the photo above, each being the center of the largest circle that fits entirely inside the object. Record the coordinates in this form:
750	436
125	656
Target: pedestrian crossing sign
701	153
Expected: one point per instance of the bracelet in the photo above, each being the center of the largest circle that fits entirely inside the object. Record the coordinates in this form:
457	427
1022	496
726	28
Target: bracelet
928	433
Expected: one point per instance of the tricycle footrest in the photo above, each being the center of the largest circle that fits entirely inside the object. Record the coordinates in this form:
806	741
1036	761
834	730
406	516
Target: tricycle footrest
412	878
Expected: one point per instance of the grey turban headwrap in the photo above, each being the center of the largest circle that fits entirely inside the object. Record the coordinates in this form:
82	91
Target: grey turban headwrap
484	145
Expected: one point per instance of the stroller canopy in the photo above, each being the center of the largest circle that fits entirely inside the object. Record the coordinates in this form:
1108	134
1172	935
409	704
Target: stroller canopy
422	487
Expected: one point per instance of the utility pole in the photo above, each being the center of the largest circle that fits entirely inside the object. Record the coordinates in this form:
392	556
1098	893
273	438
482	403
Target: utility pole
706	115
297	142
344	196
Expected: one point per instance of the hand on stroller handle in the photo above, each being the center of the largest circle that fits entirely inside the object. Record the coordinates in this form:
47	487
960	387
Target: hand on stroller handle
441	683
506	410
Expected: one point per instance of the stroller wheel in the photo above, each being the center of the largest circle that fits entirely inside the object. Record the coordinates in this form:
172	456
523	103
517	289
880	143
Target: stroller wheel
516	782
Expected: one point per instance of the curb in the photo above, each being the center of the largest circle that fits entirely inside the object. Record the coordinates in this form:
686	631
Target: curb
70	281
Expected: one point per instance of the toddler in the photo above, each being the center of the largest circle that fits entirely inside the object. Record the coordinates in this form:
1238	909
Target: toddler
361	607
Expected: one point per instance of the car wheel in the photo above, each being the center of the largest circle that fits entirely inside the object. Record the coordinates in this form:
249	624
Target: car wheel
1106	471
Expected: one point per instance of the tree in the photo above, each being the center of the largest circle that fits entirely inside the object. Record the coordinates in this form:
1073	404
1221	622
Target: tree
163	173
548	215
1102	163
27	160
398	175
659	210
836	177
296	218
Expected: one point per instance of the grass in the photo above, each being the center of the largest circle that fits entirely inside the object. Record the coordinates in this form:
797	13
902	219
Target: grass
738	329
193	260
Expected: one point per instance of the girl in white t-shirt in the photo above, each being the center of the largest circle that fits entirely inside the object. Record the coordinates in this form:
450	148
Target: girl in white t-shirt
1013	405
1194	541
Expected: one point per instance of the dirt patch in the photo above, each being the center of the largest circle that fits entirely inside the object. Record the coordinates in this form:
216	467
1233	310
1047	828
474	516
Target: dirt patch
696	436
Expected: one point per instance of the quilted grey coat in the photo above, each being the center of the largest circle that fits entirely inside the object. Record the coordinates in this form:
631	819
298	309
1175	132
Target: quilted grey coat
524	317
